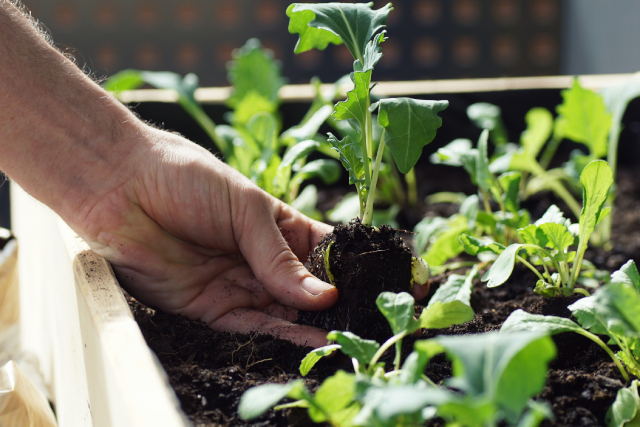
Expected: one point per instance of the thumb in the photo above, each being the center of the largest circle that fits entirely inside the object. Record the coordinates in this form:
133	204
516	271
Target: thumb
279	270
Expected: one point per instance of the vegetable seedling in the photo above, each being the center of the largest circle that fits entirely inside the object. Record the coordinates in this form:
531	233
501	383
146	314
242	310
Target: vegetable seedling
550	238
407	124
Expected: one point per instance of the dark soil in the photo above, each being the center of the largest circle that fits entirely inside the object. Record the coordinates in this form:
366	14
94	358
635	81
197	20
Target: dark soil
364	262
210	370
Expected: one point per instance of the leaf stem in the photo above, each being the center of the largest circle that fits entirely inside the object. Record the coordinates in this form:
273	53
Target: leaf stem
606	348
535	270
368	211
384	347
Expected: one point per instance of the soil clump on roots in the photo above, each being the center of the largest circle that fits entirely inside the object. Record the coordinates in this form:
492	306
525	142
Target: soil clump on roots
365	261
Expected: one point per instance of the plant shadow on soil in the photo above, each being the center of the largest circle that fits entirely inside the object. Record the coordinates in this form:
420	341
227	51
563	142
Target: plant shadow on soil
210	370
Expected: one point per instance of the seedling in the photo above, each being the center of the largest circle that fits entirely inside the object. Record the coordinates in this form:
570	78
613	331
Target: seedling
253	144
407	124
487	369
551	236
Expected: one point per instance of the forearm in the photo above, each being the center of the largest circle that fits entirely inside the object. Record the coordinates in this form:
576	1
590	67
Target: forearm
57	127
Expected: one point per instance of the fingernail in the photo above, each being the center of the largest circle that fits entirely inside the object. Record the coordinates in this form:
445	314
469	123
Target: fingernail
314	286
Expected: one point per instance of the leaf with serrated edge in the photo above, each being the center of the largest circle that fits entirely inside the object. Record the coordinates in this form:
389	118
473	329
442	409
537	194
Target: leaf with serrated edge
558	235
410	124
353	24
354	346
355	107
539	128
313	356
474	246
628	274
350	155
502	266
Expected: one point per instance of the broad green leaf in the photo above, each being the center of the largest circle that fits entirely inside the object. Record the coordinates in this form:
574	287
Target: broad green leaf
263	127
299	151
412	368
484	177
252	103
491	365
488	116
522	161
533	235
397	309
410	124
628	274
539	128
447	244
310	127
502	267
469	412
123	80
510	183
372	52
350	155
357	103
451	304
319	24
625	409
558	236
326	169
596	180
354	346
314	356
585	119
425	230
253	69
258	400
469	208
334	395
474	246
520	320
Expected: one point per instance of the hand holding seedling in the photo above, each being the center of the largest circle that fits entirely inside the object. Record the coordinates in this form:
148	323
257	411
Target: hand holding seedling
184	232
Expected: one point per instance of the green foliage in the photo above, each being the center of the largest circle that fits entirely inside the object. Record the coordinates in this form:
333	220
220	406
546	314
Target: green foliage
451	303
551	236
407	124
625	409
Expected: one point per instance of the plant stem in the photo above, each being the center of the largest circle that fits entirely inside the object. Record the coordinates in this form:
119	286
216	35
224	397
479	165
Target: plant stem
412	187
368	210
606	348
549	152
525	262
385	346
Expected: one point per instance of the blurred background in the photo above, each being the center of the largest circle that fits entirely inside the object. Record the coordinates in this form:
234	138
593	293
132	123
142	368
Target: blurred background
429	39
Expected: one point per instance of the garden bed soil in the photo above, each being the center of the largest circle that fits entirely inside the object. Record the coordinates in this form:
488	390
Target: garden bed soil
210	370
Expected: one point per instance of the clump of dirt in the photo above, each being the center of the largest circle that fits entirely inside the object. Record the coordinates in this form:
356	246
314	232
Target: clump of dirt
364	261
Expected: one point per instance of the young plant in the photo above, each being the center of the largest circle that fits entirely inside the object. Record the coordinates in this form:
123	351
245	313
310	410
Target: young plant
487	372
253	144
407	124
438	239
612	310
551	237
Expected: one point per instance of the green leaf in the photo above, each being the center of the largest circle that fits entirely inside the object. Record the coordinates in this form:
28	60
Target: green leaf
326	169
314	356
539	128
357	103
350	155
558	236
397	309
484	115
553	215
253	69
510	183
425	230
334	395
299	151
258	400
491	365
520	320
458	153
628	274
309	128
251	104
263	127
537	413
410	124
625	409
502	267
451	304
484	177
354	346
321	24
372	52
585	119
447	244
474	246
306	203
413	368
123	80
596	180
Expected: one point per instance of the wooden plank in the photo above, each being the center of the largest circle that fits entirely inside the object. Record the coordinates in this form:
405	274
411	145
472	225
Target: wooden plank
306	92
102	371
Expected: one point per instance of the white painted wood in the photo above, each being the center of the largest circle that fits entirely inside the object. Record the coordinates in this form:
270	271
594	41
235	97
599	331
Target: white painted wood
75	318
302	93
